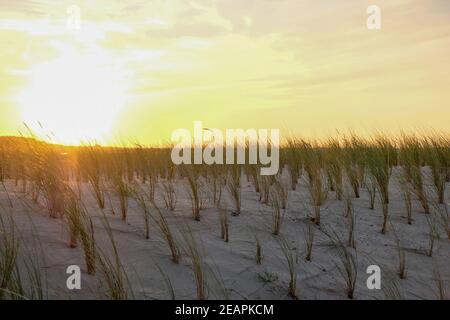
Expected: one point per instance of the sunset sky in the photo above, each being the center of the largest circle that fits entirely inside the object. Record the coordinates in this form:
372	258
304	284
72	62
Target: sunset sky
138	69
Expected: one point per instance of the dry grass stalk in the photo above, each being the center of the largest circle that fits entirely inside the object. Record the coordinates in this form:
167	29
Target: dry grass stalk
277	214
81	227
407	199
143	203
372	190
293	161
401	271
412	159
169	195
194	189
234	188
20	278
334	167
197	265
224	224
166	232
258	256
265	183
440	283
122	190
350	215
90	165
348	262
309	241
432	235
378	163
316	185
290	255
436	153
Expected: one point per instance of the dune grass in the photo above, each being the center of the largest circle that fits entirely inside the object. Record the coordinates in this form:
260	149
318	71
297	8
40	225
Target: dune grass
290	255
277	213
90	165
401	270
234	187
412	158
433	235
169	195
440	282
20	275
166	231
143	202
224	224
347	261
111	269
350	215
335	167
53	177
293	161
258	254
316	183
120	185
194	189
406	190
198	265
308	234
378	164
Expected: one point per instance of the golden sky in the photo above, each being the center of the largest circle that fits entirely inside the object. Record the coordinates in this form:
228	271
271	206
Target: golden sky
138	69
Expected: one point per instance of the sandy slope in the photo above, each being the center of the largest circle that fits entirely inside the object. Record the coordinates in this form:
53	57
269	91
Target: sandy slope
234	262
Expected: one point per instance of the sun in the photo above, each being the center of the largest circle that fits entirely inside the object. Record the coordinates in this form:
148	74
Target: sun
74	98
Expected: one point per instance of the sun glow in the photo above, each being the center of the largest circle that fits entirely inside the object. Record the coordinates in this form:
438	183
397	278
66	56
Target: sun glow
74	98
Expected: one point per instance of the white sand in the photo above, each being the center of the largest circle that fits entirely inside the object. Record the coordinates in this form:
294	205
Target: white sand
235	261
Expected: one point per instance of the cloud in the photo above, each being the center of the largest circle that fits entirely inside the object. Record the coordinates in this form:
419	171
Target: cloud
25	6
